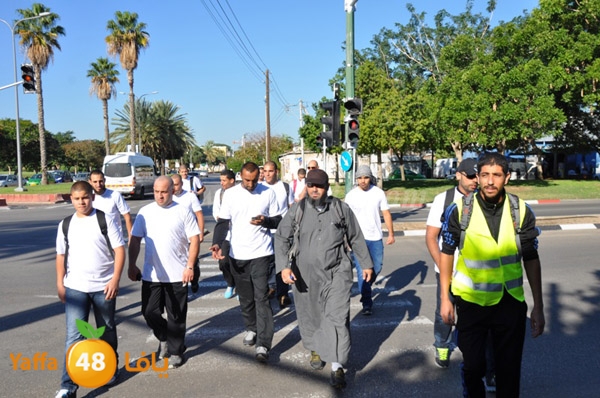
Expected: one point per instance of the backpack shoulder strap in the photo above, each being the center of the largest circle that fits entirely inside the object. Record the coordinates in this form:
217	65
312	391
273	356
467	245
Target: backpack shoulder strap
296	228
516	218
287	190
465	217
104	229
341	221
449	197
65	231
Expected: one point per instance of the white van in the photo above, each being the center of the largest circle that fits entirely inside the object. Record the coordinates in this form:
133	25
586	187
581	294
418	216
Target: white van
129	173
445	168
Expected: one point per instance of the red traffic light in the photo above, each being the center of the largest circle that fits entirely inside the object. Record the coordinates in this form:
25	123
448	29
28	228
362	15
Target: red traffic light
28	79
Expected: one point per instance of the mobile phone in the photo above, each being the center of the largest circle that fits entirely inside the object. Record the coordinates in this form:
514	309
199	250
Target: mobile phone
256	218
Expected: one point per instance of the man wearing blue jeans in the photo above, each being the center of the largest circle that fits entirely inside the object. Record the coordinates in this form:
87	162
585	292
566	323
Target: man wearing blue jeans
87	273
367	201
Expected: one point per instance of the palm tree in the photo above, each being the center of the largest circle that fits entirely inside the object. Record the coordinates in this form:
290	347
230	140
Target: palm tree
39	38
126	38
166	134
121	134
212	154
104	76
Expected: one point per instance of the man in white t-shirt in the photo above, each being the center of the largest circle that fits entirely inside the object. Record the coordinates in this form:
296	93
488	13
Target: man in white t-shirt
87	273
109	201
192	183
466	175
367	201
285	198
249	211
188	199
172	238
299	183
227	180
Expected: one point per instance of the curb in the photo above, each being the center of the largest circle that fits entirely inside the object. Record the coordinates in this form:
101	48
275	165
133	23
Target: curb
13	198
558	227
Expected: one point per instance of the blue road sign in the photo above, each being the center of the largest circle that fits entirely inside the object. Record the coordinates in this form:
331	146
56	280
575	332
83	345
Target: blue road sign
346	161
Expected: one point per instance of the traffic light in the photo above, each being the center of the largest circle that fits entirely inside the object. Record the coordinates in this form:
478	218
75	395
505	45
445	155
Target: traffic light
28	79
331	122
353	109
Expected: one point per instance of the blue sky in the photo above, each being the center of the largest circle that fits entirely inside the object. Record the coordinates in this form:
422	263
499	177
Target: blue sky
190	63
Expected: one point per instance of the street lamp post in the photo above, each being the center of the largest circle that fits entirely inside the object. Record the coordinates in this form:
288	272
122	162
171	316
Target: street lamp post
17	124
139	133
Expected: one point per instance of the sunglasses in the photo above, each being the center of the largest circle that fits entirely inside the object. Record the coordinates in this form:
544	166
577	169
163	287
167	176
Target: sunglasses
310	168
469	176
312	184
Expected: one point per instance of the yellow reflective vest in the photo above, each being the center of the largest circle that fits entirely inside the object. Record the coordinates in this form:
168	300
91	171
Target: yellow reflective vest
486	267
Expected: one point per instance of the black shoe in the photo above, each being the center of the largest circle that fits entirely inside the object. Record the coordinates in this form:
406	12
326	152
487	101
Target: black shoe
338	379
367	311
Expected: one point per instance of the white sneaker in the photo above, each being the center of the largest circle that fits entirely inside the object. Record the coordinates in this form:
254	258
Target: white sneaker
64	393
250	338
262	354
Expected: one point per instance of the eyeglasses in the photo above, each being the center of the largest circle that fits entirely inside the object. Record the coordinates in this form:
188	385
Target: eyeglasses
312	184
469	176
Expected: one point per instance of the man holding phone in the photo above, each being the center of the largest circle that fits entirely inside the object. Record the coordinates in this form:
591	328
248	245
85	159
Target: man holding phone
249	211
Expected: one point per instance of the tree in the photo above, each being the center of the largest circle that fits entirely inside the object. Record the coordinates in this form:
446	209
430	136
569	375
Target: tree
254	150
127	37
166	134
211	153
39	38
104	76
85	155
122	133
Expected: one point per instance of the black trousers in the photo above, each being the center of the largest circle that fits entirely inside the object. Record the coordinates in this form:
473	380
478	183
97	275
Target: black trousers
225	265
506	323
173	297
253	290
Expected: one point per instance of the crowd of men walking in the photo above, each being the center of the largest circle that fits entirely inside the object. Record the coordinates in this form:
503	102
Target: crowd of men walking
272	237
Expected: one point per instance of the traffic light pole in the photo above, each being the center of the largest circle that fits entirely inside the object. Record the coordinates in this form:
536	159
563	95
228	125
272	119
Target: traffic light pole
349	8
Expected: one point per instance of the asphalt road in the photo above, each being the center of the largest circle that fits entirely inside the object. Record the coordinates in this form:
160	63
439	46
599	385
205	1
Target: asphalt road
392	351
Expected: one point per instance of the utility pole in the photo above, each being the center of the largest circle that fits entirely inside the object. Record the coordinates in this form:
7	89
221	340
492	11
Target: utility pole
349	8
268	118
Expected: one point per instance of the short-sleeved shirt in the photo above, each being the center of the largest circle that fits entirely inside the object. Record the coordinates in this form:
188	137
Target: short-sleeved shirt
434	218
239	205
367	206
112	204
166	231
191	183
90	264
188	199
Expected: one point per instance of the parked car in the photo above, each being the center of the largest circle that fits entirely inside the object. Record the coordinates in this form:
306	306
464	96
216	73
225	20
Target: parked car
203	174
8	180
36	179
83	176
408	174
61	176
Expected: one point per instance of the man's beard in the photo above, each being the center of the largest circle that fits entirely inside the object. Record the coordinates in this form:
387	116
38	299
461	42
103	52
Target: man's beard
317	202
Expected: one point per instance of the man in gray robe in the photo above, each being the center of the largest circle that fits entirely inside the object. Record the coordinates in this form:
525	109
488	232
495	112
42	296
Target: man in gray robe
322	273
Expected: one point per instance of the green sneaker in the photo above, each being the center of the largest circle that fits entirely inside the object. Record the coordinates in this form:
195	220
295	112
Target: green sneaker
315	361
442	357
